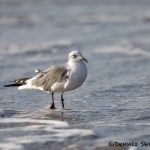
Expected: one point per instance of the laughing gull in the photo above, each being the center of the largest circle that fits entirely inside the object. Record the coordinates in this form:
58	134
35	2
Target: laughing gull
57	78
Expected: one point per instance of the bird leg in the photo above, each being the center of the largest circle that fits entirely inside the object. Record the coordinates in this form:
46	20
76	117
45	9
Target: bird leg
52	104
62	101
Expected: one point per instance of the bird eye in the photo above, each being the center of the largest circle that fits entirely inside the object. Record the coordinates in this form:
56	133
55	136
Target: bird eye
74	56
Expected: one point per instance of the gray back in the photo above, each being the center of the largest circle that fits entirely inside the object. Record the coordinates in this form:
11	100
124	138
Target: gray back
45	79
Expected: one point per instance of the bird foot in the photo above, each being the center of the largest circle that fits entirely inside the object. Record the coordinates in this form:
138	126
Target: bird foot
52	107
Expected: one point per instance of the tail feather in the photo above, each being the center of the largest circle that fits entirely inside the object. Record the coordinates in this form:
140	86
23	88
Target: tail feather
18	82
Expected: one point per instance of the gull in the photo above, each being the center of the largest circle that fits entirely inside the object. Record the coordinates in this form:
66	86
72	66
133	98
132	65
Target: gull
57	78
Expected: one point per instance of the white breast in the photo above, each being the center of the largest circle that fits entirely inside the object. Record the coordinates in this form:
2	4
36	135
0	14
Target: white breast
77	76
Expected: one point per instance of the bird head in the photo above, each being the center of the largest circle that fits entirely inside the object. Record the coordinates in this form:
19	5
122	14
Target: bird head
76	56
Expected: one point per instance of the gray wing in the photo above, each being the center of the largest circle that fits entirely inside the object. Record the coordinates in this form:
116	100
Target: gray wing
45	79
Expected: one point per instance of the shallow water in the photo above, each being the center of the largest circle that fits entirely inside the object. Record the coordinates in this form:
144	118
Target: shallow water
113	103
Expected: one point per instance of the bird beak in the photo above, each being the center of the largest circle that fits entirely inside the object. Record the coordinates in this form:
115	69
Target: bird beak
84	59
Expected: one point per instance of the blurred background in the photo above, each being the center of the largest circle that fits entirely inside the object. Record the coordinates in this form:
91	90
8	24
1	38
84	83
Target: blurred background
114	35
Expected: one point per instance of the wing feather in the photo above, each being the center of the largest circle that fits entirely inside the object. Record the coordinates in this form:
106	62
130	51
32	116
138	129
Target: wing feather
47	78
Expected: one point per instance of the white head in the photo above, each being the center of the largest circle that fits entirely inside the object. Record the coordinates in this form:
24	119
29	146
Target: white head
76	56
